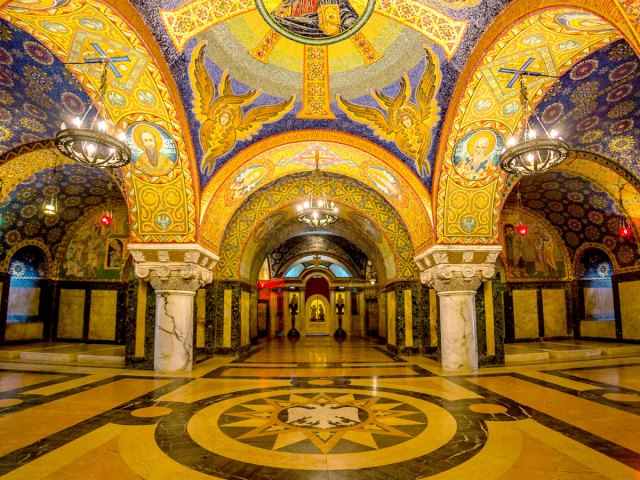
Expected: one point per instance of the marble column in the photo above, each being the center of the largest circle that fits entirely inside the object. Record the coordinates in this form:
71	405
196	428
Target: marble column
456	272
176	272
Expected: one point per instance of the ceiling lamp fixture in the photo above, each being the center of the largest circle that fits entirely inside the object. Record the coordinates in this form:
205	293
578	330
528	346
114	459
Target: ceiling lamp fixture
535	153
522	228
94	146
317	210
50	205
370	275
624	230
106	219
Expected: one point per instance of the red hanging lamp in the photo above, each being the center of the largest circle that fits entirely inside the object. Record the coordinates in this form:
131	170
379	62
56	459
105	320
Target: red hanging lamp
625	230
522	227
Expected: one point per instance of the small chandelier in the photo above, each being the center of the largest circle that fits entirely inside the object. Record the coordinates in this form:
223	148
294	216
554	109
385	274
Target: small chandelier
50	204
370	291
535	153
317	210
94	146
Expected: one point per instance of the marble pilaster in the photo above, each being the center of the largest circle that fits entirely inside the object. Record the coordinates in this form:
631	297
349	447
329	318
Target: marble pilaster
456	272
176	272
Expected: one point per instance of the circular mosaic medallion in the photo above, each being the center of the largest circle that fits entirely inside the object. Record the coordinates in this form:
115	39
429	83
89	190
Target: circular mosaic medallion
313	22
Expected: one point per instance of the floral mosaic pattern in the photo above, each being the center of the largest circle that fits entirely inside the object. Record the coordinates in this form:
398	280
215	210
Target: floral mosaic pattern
37	92
78	189
580	211
594	264
596	106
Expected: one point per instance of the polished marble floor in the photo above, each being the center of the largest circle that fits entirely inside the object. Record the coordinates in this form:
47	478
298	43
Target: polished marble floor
318	409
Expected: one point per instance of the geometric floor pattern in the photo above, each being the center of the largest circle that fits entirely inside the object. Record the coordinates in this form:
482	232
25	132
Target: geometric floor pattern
317	409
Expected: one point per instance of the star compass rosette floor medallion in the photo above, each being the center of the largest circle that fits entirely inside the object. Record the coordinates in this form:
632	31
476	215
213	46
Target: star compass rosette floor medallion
304	431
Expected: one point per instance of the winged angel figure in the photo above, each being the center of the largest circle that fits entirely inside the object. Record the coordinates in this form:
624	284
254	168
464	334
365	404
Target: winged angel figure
405	123
223	120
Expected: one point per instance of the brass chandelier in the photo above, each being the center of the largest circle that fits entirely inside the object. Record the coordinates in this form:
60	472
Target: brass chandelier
94	146
317	210
534	153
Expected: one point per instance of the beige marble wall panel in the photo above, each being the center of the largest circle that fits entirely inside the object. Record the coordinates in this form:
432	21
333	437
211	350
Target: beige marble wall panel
245	328
200	317
226	329
598	328
24	301
391	318
141	315
630	309
71	313
102	315
24	331
525	313
408	319
554	309
598	303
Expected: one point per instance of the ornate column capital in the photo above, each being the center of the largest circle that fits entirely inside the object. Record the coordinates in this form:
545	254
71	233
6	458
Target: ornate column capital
457	268
173	266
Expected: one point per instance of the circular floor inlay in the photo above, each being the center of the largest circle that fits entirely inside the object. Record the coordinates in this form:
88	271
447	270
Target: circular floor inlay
151	412
622	397
9	402
310	429
487	408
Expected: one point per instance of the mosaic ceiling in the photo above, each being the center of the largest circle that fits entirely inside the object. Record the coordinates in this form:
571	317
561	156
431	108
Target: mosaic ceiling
37	92
334	246
580	211
80	190
394	97
596	106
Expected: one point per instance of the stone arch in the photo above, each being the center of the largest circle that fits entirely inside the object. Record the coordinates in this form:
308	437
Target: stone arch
288	153
359	202
480	103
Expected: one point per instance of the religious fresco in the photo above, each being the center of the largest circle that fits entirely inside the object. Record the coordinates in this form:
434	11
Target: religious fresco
28	263
548	43
33	90
153	151
315	22
477	154
339	248
581	211
538	255
95	252
403	122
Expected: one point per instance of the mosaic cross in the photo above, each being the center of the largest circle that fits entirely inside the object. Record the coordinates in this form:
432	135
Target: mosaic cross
109	60
521	71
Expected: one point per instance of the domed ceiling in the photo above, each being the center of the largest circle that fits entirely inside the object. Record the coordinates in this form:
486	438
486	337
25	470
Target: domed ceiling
392	94
596	106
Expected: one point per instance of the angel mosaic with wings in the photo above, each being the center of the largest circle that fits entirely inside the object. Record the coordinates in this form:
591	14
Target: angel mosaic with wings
405	123
223	120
